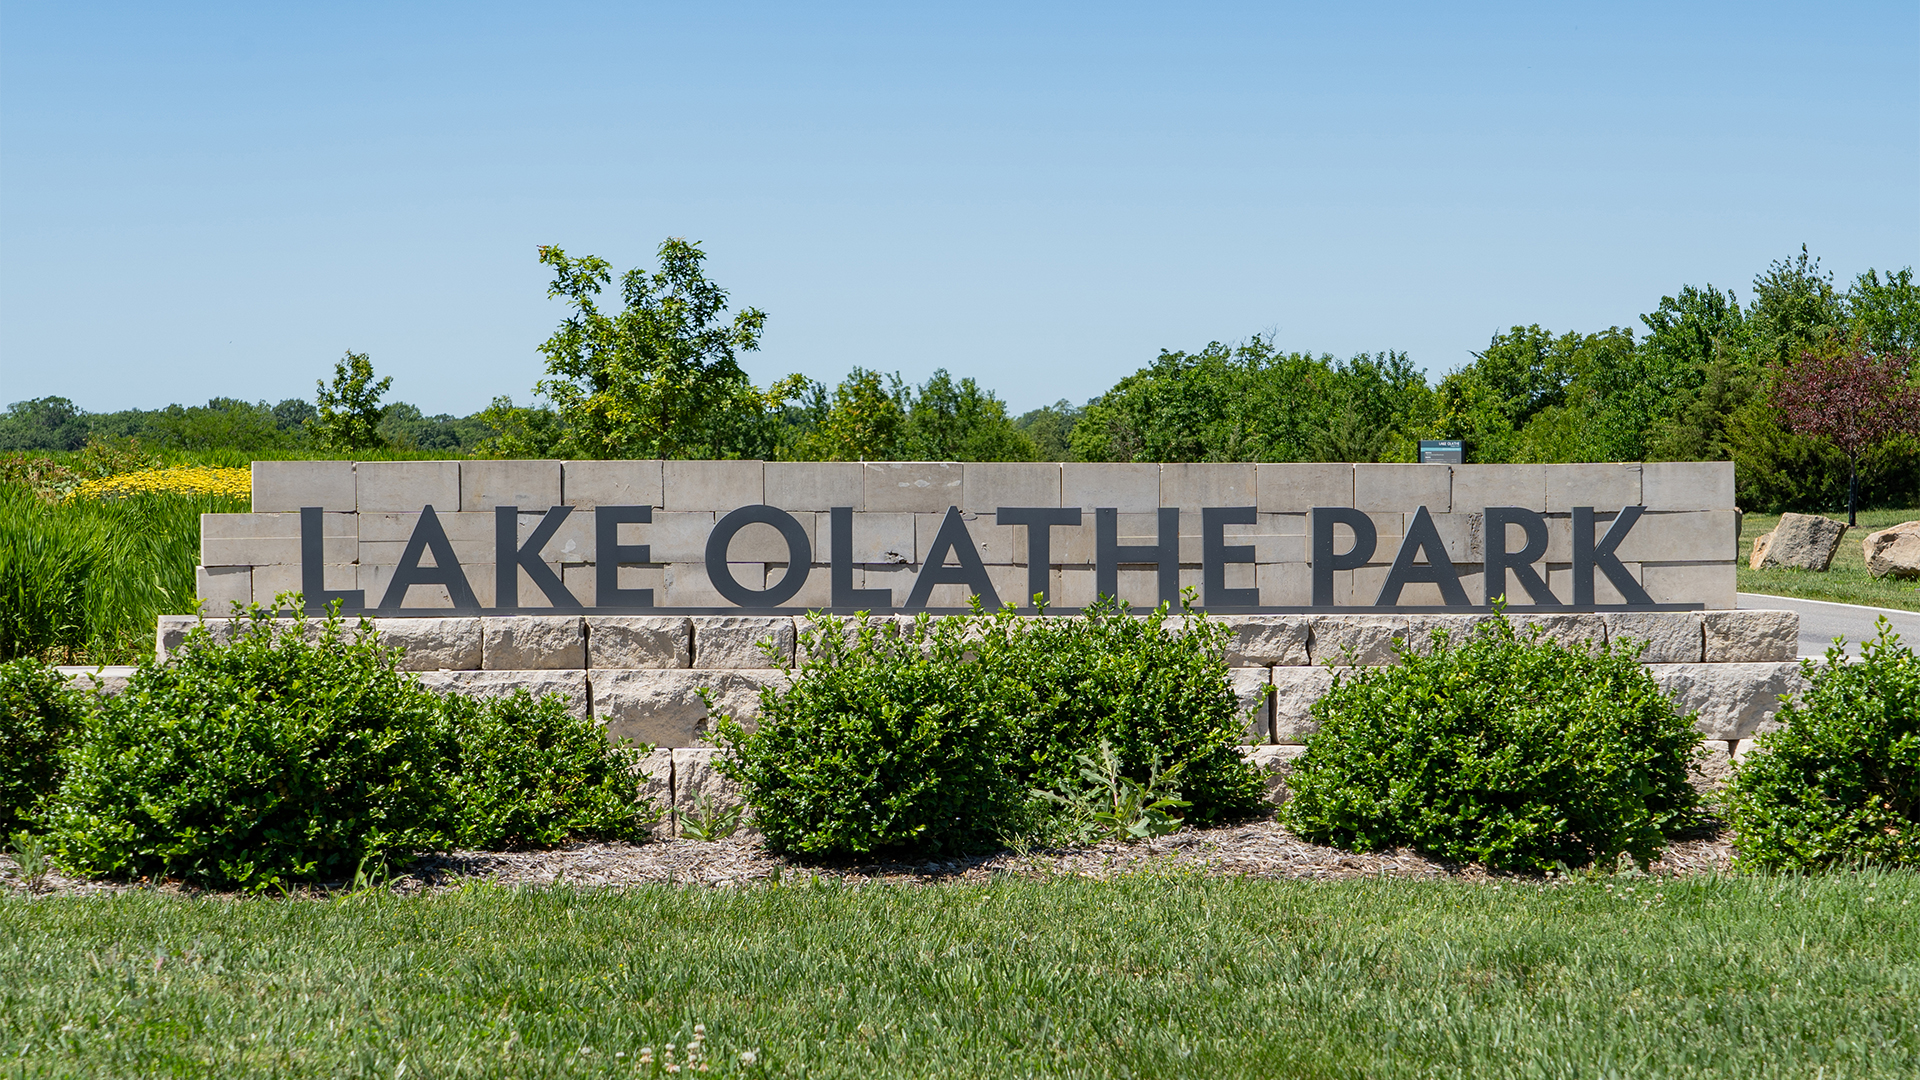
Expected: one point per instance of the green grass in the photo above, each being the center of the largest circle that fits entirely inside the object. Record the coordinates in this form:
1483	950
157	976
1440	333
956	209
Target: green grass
1153	976
1846	581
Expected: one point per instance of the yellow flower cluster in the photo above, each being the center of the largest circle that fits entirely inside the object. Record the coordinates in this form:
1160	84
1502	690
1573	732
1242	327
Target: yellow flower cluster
175	480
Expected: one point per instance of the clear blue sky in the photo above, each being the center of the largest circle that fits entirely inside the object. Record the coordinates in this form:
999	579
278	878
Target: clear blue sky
198	199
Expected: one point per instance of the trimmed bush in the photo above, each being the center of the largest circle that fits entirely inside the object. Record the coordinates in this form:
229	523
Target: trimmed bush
1513	752
299	751
933	737
1839	782
38	712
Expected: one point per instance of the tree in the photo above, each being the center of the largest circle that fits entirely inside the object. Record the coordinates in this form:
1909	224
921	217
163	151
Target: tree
1852	398
349	411
48	423
955	420
863	420
660	378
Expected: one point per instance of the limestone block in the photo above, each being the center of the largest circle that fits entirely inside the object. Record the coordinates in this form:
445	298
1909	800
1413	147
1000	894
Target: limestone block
1736	637
721	486
290	485
1130	487
530	642
526	484
1274	763
1711	584
388	552
1266	640
997	544
1286	584
1192	486
571	685
1476	487
220	587
760	542
1294	692
1672	637
816	485
587	484
406	486
1356	639
1403	487
1734	701
913	486
1461	532
1251	688
986	486
1560	580
583	582
735	641
272	550
1458	628
658	708
1687	485
639	641
877	538
168	634
397	529
686	585
673	536
1801	542
1691	536
1570	630
280	526
1893	553
1603	486
848	627
272	581
434	644
698	784
655	769
105	680
1287	487
1711	766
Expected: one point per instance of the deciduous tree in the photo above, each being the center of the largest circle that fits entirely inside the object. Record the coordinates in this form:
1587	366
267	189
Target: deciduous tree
1851	398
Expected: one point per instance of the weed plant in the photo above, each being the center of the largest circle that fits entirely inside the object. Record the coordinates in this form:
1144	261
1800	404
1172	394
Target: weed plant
1516	752
1839	782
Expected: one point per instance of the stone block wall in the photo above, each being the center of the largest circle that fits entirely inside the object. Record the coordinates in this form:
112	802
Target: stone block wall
1681	551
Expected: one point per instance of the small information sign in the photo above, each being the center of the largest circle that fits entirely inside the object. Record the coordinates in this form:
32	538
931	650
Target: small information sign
1442	452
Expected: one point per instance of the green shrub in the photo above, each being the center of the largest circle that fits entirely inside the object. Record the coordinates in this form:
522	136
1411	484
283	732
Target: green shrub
526	772
936	737
298	751
1839	782
1512	752
38	712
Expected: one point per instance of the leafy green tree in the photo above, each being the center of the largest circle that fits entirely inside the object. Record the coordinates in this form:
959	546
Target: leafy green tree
349	413
660	378
1795	308
955	420
1051	429
221	424
864	419
1886	314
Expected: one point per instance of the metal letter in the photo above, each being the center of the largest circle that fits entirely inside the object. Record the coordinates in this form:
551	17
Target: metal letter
429	536
953	538
609	553
840	519
1325	562
510	556
1587	555
1500	560
1108	553
799	557
313	571
1215	555
1423	537
1039	521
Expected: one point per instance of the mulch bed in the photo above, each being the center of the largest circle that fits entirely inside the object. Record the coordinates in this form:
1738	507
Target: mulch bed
1257	850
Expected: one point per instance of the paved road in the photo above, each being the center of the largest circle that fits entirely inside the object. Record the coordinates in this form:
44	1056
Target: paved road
1821	622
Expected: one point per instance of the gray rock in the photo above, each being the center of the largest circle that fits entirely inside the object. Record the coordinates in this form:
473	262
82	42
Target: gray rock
1800	541
734	641
1711	767
1734	701
1274	764
884	627
1569	630
433	644
1458	629
1356	639
639	641
105	680
695	779
534	642
1672	637
1294	692
1894	553
1751	636
1250	690
663	708
1266	640
655	769
571	685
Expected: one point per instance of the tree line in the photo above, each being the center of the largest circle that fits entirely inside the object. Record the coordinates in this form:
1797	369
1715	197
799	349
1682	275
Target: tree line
656	373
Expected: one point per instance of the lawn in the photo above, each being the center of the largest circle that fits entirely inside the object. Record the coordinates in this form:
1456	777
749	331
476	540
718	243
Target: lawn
1155	975
1846	581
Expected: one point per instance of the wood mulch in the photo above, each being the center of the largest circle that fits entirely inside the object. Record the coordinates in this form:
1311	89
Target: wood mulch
1257	850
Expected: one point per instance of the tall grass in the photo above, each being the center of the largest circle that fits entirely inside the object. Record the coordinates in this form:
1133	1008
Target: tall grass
82	580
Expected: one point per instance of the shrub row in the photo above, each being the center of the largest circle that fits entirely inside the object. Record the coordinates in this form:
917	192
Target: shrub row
299	754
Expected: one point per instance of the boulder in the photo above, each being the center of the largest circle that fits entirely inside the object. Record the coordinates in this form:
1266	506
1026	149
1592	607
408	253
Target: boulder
1800	541
1894	552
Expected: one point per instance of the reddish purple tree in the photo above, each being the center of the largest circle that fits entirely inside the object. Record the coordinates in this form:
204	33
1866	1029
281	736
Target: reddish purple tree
1852	398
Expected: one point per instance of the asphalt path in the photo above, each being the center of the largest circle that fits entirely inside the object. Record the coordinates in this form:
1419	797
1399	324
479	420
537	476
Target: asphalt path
1821	622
